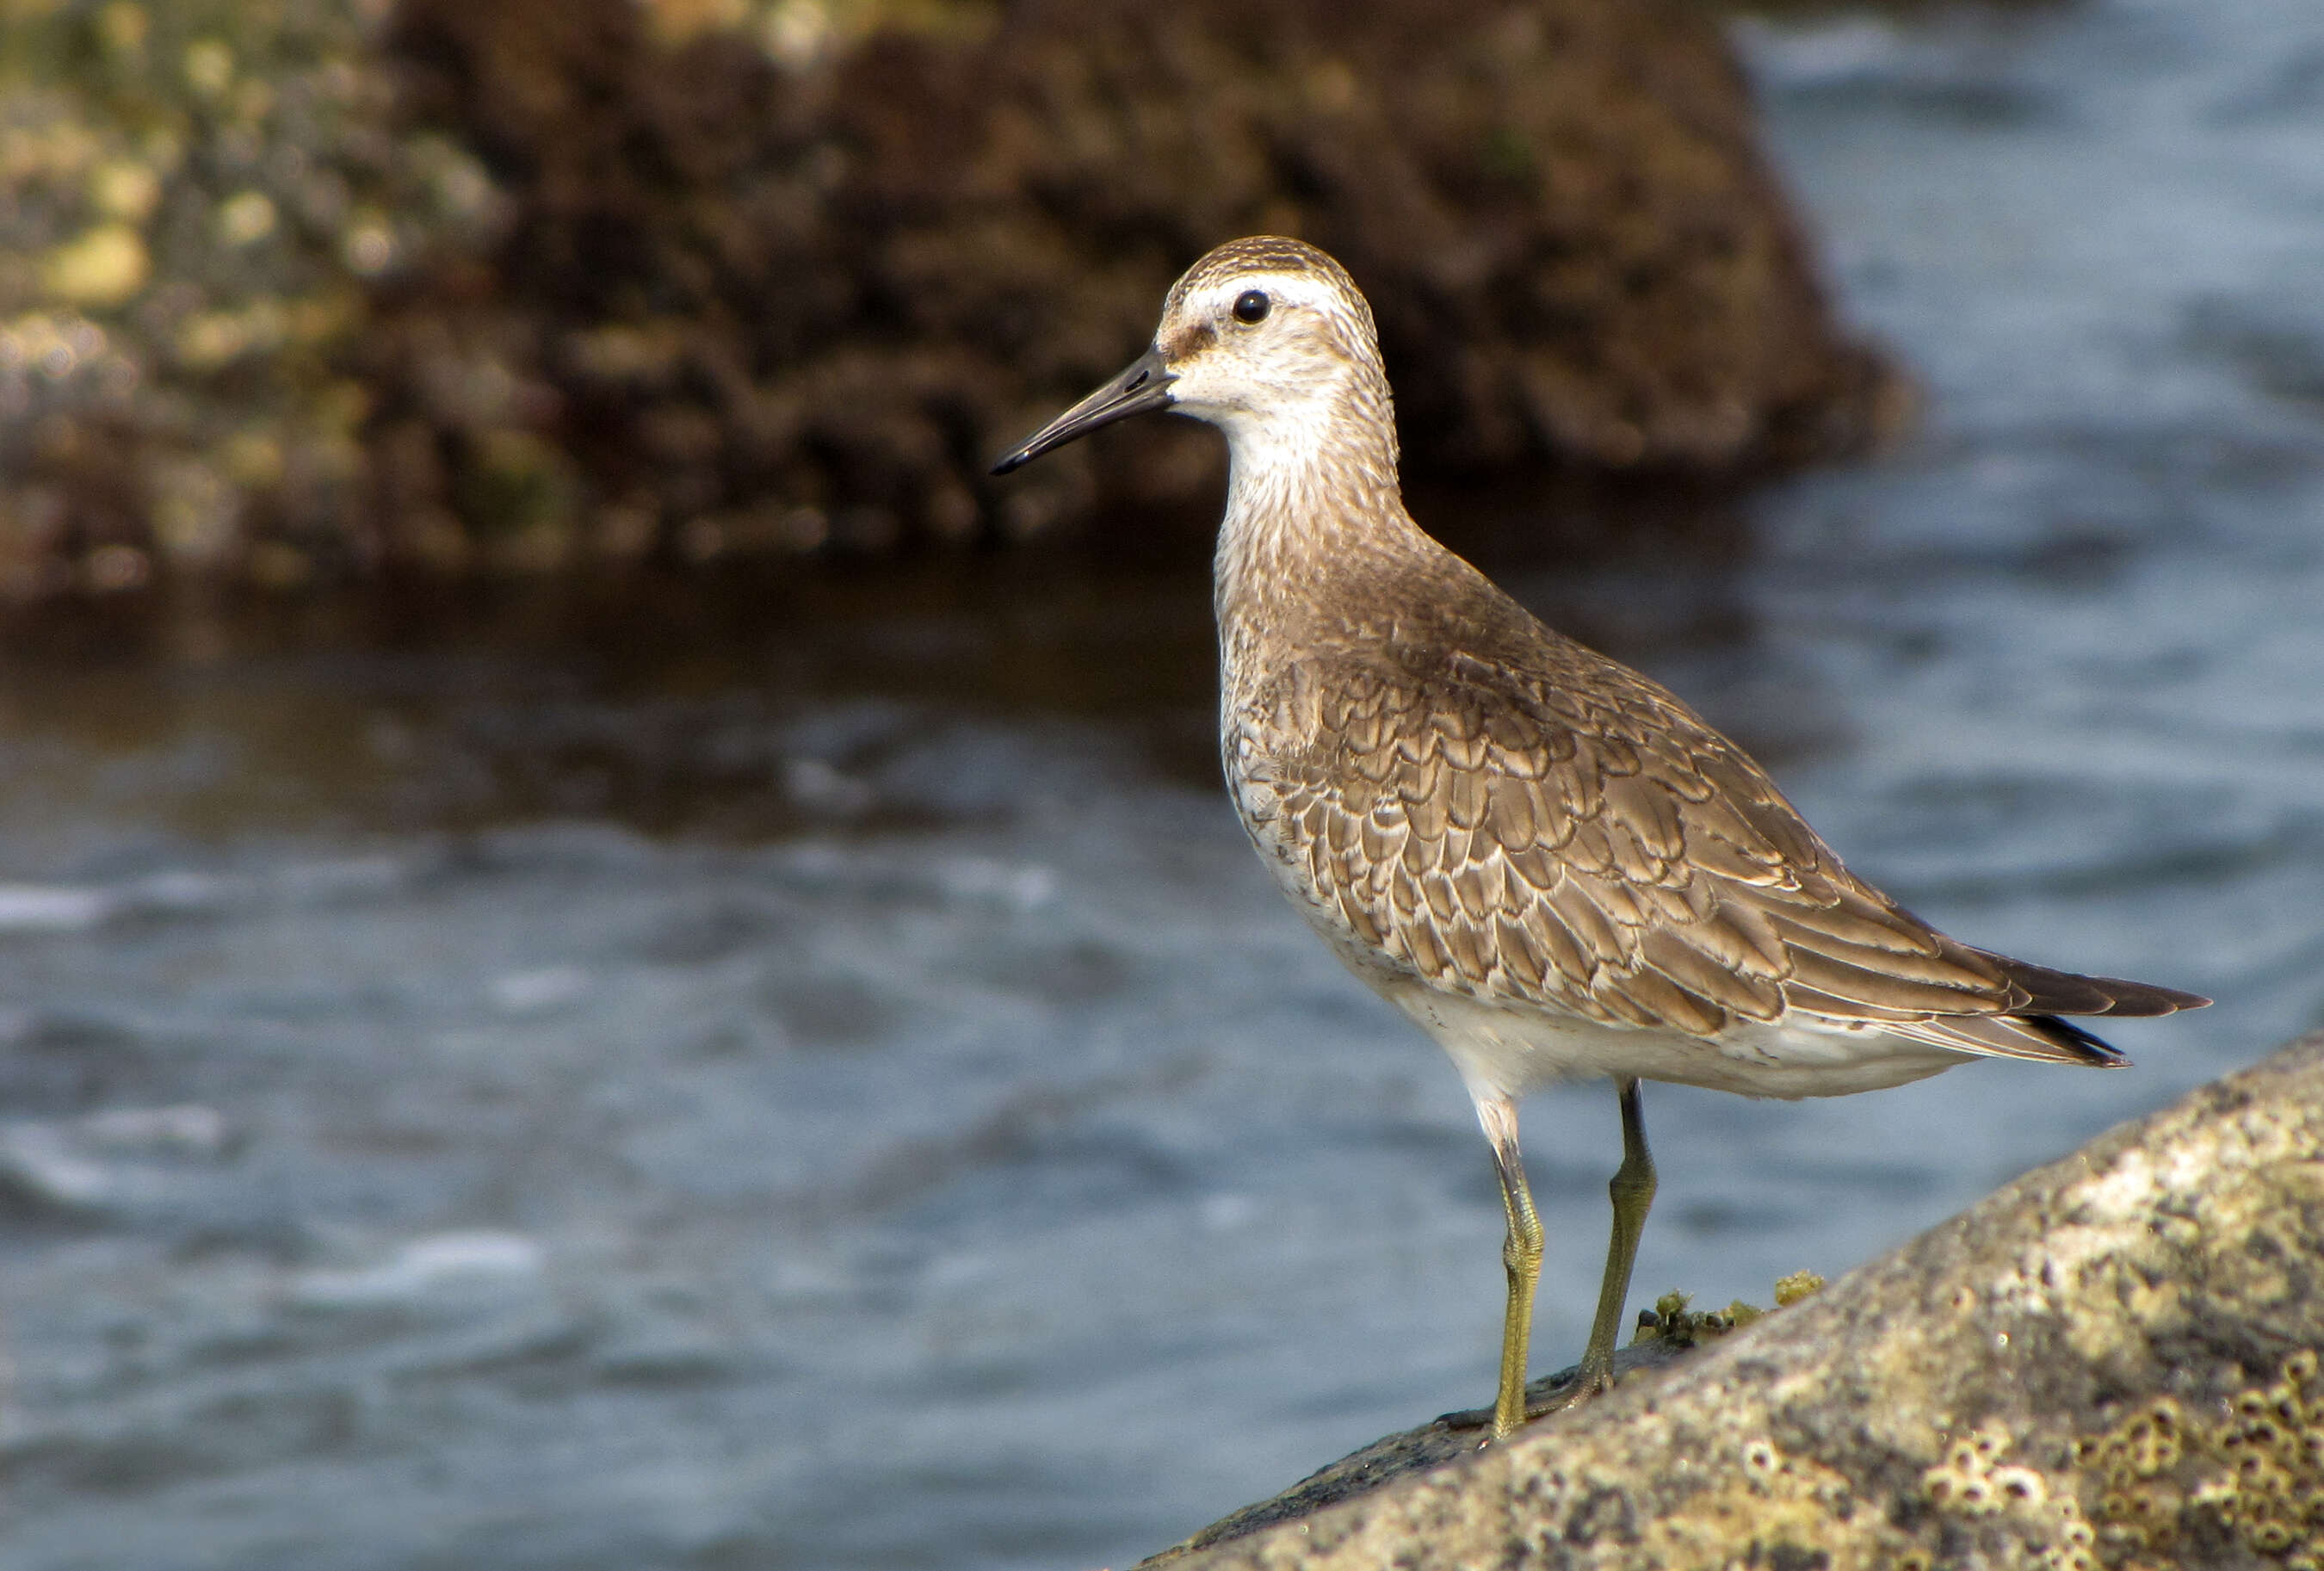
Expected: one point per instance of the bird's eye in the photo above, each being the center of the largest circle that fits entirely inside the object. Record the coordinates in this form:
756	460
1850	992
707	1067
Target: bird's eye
1250	306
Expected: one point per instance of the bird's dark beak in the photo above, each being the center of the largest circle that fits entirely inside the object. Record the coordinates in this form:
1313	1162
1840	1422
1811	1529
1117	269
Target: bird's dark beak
1145	385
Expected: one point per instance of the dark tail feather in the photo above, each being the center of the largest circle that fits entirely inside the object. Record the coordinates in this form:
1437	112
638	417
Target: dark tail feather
2056	993
2085	1048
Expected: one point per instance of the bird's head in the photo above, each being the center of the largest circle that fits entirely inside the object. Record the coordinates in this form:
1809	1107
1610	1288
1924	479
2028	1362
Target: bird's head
1265	337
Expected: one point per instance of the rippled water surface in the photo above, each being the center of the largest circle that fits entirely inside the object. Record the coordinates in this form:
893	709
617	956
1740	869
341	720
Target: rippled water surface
817	1080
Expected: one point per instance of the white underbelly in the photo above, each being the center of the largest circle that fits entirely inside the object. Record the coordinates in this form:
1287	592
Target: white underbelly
1510	1051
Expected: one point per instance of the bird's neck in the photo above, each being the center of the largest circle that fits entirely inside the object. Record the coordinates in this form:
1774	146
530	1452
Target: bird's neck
1313	510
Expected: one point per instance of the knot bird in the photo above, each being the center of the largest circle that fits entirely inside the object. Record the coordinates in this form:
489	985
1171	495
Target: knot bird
1547	861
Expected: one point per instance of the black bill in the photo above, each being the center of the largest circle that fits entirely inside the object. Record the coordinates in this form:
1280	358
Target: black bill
1145	385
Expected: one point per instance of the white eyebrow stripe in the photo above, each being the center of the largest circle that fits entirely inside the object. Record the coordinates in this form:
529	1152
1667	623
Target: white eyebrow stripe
1281	288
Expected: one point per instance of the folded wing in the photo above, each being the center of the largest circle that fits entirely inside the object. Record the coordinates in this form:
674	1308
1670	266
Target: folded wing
1566	833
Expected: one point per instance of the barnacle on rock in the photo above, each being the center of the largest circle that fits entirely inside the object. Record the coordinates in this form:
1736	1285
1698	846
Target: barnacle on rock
2034	1523
2253	1467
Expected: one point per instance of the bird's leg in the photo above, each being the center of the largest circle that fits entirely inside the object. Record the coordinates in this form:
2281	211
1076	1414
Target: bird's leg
1521	1254
1633	1189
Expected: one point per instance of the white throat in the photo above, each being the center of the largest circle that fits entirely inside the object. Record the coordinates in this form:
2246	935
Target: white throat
1311	481
1279	460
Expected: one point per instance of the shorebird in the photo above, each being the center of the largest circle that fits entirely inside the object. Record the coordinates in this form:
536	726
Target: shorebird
1544	858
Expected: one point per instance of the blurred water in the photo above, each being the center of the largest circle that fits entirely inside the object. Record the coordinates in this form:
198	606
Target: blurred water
830	1087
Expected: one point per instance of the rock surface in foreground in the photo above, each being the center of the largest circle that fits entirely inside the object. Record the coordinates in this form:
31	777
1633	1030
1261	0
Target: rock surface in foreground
2113	1362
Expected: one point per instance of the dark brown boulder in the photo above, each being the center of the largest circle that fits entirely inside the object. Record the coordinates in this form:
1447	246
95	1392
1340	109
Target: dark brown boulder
775	304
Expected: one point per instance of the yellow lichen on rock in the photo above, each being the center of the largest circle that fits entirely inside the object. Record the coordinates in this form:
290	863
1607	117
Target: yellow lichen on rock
210	67
799	33
1799	1285
1670	1320
245	218
106	266
125	188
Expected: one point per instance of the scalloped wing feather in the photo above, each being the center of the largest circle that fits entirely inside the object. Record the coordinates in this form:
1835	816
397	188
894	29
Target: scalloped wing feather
1566	834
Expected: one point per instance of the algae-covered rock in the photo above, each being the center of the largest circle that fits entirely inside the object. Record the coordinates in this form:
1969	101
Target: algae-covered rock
196	200
292	288
2113	1362
800	270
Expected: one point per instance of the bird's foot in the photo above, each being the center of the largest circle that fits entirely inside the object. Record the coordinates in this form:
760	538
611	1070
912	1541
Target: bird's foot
1553	1393
1667	1331
1587	1385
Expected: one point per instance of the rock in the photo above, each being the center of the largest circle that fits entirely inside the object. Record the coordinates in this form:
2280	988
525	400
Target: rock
315	288
2113	1362
1450	1438
199	202
786	292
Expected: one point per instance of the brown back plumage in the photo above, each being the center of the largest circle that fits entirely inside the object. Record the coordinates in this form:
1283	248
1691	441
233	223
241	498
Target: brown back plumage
1505	814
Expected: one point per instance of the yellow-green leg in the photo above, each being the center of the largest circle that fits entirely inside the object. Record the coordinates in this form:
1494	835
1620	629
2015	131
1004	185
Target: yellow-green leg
1633	1193
1633	1189
1521	1254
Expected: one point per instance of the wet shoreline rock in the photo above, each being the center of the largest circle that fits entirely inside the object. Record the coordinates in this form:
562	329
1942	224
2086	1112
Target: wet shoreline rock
331	288
2113	1362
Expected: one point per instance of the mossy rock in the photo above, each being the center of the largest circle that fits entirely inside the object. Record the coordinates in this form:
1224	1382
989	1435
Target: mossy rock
806	289
199	203
305	288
